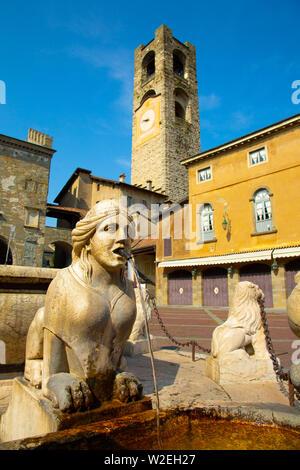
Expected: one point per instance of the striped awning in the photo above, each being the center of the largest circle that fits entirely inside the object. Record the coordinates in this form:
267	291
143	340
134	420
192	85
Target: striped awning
231	258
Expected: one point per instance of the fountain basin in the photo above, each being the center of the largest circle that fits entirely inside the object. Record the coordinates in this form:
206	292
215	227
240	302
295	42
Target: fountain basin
235	428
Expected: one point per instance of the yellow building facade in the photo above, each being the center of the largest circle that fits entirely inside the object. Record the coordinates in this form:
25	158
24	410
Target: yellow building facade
244	221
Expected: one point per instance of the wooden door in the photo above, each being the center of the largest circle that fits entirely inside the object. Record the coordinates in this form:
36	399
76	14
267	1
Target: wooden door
291	270
259	274
215	287
180	288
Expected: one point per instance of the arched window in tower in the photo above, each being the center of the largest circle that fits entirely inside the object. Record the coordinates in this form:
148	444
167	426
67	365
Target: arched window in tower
263	211
181	101
148	66
149	94
178	63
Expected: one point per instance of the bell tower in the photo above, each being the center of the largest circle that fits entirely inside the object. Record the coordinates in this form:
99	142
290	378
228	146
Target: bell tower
165	114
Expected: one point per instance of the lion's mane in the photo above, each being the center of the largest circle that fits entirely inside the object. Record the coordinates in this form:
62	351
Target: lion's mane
243	322
245	311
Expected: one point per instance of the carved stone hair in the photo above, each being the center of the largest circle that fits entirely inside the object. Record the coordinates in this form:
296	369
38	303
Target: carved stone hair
86	228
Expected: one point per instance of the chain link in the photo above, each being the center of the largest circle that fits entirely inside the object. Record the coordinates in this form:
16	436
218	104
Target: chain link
278	369
192	343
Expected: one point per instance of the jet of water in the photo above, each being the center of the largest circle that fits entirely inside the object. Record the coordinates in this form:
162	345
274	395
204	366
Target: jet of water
130	258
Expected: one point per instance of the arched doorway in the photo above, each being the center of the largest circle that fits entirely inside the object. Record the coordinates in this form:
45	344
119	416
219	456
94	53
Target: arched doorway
291	268
215	287
259	274
5	253
57	255
180	291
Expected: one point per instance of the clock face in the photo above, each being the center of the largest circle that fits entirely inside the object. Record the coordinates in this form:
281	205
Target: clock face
147	120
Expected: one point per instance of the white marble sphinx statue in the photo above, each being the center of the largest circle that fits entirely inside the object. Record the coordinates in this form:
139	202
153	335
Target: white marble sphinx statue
75	343
238	348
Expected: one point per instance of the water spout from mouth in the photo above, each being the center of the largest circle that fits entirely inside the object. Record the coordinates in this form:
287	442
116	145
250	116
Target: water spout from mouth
130	258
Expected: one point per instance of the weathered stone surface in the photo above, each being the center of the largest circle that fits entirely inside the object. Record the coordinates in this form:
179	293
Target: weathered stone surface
23	290
239	369
295	375
293	307
141	346
23	198
80	333
239	352
139	327
30	413
158	159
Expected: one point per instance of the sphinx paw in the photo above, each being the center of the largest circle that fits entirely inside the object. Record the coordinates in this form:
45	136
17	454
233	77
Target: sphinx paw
127	387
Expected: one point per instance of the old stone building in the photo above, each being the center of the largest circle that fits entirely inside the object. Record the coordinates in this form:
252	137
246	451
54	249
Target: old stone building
244	200
25	239
25	167
166	114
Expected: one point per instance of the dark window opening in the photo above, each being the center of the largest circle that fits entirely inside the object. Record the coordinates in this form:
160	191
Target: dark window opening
179	111
179	63
178	66
151	68
181	103
167	247
5	253
148	65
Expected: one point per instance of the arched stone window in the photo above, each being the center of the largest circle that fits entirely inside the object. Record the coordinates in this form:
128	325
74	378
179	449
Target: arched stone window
181	101
57	255
178	62
206	215
148	66
149	94
263	211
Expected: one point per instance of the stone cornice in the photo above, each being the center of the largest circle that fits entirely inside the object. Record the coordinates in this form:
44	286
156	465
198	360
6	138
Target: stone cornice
24	145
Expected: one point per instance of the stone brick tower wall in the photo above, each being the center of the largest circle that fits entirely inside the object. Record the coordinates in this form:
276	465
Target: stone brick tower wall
24	180
158	159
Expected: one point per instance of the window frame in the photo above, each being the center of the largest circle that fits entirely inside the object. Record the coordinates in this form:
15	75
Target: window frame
257	149
254	213
202	169
170	247
27	213
209	235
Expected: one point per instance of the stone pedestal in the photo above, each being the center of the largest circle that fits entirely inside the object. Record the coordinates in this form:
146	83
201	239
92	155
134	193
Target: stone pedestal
31	414
239	370
140	346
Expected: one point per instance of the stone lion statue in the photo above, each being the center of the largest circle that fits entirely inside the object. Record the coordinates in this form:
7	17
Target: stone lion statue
75	342
242	333
293	311
293	307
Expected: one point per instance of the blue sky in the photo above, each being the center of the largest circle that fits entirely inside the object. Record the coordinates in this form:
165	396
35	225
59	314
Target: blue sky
68	70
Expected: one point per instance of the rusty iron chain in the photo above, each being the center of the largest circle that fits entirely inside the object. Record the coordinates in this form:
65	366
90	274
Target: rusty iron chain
192	343
278	369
